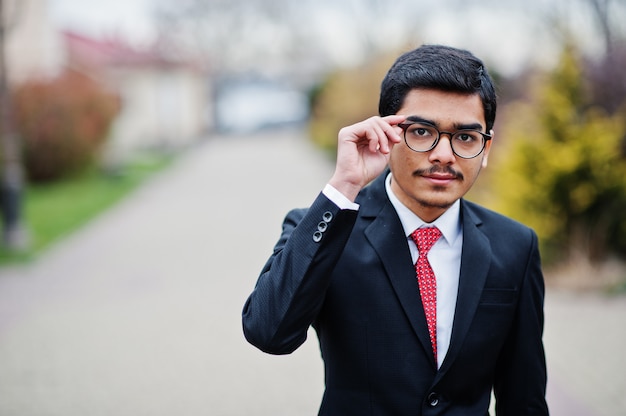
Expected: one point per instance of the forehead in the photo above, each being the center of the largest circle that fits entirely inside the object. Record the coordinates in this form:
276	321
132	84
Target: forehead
444	108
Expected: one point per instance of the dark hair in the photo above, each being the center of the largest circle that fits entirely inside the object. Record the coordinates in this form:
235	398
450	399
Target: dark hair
437	67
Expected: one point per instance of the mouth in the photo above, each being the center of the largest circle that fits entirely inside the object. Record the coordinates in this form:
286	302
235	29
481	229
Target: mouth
439	180
439	176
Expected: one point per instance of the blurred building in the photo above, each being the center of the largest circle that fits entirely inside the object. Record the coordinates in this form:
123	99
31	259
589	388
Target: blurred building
164	100
247	104
33	47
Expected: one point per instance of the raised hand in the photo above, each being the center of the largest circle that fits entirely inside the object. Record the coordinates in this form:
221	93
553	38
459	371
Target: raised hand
363	152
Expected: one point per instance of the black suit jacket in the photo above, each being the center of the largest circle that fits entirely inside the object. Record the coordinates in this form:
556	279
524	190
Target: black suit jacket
350	275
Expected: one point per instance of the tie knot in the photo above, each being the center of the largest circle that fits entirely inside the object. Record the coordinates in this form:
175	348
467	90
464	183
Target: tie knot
425	238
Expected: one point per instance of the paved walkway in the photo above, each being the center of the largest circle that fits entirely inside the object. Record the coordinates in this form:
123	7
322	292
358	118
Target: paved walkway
139	312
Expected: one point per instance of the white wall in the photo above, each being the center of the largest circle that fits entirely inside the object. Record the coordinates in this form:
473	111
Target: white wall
160	109
34	48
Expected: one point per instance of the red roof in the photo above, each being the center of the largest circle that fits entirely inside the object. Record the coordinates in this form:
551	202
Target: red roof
92	53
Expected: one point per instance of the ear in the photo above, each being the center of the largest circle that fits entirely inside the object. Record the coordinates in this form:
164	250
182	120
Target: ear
487	148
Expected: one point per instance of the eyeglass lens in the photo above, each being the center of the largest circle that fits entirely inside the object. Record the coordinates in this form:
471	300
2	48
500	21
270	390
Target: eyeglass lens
423	137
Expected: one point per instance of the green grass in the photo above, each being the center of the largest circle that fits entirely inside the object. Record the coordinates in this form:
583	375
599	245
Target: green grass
618	288
52	211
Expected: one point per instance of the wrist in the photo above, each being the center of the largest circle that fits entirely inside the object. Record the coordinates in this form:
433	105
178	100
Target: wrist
348	189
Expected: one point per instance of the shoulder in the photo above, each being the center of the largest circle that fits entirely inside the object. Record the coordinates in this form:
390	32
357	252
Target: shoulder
493	223
512	243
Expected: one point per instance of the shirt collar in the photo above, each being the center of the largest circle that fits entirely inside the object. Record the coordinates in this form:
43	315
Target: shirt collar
449	223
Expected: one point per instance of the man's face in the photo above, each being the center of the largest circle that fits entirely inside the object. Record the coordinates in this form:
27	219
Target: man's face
429	183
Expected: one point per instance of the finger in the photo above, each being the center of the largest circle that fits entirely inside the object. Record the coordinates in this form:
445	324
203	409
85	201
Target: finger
375	137
384	139
389	134
394	119
392	136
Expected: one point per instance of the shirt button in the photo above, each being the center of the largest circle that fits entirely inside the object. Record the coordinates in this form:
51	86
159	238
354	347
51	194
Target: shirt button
433	399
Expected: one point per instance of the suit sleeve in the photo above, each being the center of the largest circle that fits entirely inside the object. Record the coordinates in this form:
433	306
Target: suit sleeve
291	288
520	384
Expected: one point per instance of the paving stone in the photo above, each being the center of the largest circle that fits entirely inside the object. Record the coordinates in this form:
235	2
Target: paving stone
138	313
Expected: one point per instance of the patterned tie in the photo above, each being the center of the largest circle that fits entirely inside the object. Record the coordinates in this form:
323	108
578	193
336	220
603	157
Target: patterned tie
425	238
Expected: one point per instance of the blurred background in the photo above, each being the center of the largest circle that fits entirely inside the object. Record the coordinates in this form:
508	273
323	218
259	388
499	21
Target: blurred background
96	84
99	99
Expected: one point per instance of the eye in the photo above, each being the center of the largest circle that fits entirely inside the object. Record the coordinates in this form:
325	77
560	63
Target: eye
467	137
421	131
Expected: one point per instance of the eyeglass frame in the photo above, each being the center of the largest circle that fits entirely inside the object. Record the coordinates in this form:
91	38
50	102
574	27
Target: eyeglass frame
404	126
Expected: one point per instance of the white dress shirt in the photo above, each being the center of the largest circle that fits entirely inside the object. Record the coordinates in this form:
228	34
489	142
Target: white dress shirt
444	257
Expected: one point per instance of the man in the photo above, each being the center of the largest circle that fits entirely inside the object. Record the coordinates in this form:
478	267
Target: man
404	333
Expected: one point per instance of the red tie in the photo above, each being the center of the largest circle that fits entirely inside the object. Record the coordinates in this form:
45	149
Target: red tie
425	238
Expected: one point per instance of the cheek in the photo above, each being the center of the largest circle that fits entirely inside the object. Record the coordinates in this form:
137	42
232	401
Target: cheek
474	171
398	163
401	157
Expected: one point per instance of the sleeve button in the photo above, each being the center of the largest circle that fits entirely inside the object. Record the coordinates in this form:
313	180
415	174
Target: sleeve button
322	226
328	216
317	236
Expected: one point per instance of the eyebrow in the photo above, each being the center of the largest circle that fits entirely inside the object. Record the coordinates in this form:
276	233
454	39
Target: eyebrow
457	126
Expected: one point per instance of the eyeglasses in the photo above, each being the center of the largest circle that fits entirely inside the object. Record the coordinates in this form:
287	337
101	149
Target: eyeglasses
423	137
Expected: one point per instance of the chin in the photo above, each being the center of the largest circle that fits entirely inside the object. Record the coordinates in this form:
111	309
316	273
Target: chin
435	203
437	198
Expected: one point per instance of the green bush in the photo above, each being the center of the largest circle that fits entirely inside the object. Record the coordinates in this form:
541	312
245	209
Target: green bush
346	97
62	124
562	170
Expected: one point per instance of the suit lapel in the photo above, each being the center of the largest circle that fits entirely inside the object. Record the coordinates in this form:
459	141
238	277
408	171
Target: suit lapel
475	262
386	235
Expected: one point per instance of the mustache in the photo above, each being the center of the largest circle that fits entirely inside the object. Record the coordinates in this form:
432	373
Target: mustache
446	170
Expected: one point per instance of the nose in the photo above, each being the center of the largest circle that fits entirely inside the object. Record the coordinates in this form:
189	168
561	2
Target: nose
442	153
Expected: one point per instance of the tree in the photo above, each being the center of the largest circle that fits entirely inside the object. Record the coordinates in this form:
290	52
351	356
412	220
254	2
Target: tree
285	37
345	97
563	171
63	123
11	178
